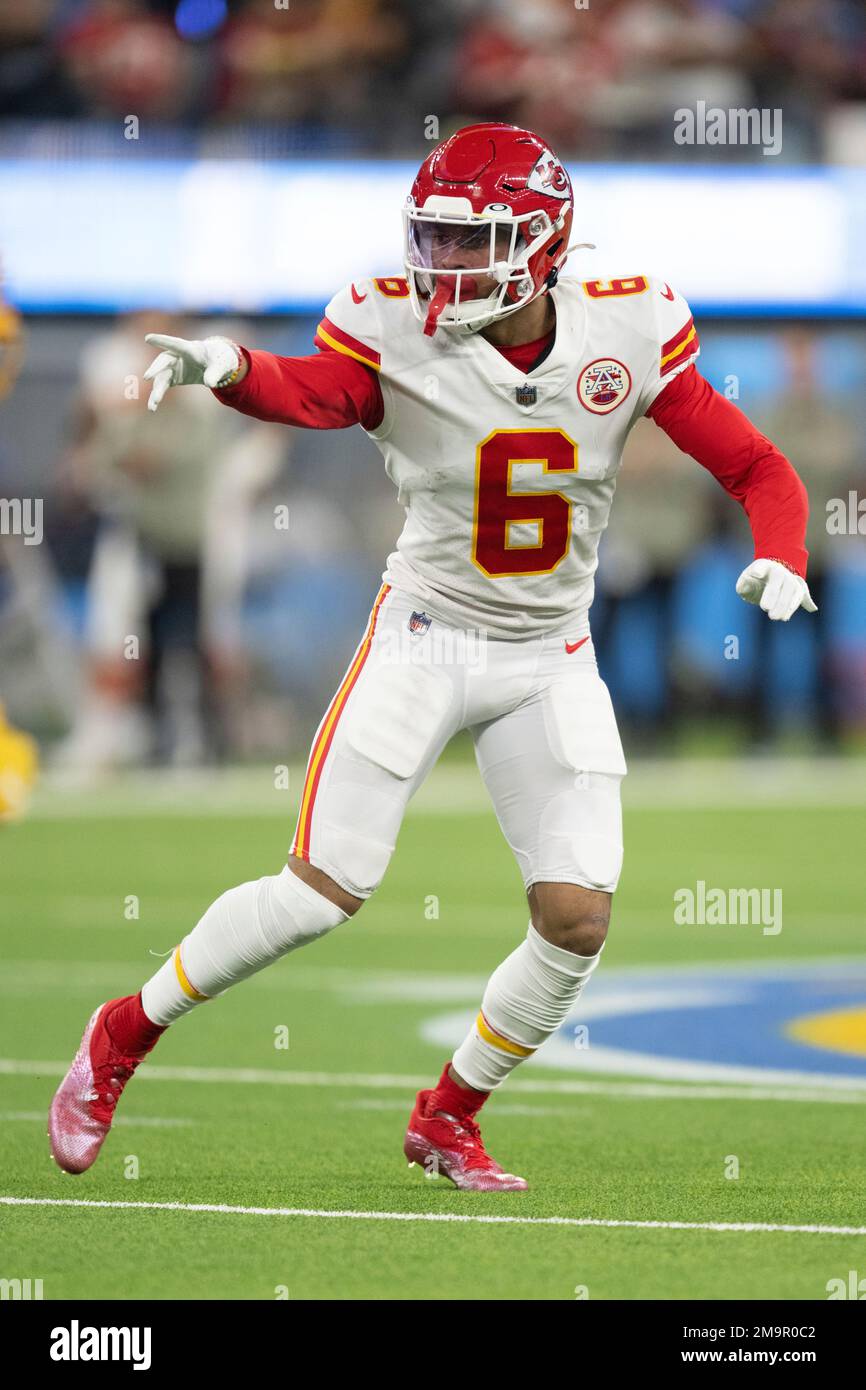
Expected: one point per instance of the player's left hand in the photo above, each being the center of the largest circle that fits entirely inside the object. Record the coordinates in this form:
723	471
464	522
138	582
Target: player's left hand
778	590
190	362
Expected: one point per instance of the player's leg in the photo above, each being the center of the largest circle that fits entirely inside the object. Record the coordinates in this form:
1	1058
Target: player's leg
385	727
255	923
382	732
553	767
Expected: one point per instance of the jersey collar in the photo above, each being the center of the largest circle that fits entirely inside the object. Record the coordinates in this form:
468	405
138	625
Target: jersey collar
558	369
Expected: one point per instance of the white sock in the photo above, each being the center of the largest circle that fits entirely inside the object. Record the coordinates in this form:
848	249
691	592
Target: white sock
526	1000
244	930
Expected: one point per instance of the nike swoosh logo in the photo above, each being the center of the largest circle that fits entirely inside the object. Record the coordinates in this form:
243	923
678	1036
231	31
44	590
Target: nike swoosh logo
667	292
573	646
359	298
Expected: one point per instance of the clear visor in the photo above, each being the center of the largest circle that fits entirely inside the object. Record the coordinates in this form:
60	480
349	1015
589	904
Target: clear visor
464	271
436	244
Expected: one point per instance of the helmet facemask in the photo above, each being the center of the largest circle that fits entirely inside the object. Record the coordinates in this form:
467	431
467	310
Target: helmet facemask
466	269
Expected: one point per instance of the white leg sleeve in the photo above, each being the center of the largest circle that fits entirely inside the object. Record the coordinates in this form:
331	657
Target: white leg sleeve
244	930
526	1000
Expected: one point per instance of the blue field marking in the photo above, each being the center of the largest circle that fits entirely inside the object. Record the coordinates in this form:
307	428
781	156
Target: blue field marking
745	1024
733	1023
726	1018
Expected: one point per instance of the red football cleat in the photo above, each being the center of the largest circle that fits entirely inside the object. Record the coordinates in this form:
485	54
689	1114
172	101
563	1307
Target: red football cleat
84	1103
452	1145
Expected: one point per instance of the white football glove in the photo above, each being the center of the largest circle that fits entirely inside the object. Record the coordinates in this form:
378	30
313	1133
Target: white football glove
189	362
778	590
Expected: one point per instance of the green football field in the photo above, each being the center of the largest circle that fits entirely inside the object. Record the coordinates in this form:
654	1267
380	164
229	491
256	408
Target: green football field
241	1168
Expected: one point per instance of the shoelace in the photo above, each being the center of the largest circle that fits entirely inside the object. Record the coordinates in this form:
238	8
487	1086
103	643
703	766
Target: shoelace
468	1140
108	1082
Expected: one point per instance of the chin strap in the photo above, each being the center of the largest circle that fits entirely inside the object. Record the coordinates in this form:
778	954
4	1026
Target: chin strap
575	246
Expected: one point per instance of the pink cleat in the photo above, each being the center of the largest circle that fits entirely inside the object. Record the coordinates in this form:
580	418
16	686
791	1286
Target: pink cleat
452	1145
85	1101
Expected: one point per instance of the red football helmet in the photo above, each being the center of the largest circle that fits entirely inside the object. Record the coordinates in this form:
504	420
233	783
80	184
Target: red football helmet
486	226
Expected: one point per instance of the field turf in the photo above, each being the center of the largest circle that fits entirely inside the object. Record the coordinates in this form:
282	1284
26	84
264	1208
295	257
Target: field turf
223	1116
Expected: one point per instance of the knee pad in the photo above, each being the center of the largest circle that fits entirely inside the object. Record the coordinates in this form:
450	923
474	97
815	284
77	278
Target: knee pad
394	727
580	834
357	825
580	831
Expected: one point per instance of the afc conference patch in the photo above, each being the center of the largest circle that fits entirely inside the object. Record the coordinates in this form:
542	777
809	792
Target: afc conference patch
603	385
419	622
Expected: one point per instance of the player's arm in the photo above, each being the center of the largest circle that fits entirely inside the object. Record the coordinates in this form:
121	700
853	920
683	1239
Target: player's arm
324	392
753	471
750	468
333	389
327	391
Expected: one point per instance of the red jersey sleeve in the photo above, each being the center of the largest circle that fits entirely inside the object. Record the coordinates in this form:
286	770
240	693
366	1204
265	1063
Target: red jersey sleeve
749	467
328	391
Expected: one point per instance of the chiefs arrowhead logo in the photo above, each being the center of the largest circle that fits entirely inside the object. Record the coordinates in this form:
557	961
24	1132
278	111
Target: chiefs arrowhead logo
549	177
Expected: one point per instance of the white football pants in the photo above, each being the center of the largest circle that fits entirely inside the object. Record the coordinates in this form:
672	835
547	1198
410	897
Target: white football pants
545	740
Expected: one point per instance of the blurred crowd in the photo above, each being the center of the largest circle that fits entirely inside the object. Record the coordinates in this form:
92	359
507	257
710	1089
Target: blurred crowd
200	577
601	78
676	643
204	578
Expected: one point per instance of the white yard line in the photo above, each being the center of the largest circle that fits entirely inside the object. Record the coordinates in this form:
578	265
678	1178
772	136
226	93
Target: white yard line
622	1090
219	1208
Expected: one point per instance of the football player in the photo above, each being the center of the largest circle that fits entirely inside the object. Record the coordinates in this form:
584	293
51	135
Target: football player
501	396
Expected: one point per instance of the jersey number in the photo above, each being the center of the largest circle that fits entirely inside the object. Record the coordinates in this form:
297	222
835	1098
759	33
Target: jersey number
498	508
394	288
605	289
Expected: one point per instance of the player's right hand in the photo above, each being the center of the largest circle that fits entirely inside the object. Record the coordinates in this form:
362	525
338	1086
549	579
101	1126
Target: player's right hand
210	362
778	590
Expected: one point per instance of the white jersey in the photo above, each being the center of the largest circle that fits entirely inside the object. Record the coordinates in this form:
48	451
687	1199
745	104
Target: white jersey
507	478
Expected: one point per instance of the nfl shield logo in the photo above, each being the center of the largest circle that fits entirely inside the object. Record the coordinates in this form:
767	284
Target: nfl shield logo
419	622
526	394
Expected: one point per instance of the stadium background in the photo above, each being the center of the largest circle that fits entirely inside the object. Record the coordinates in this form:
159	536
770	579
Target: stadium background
325	80
709	1042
